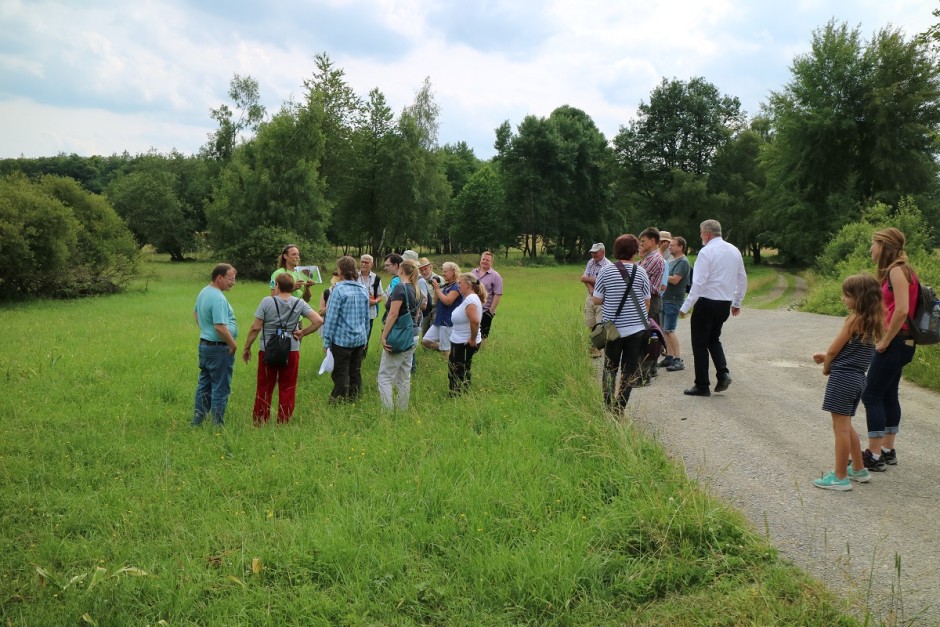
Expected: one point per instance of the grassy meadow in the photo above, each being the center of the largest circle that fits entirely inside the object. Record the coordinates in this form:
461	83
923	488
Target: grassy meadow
520	503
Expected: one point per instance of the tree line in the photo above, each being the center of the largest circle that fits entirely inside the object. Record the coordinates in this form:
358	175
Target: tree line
855	126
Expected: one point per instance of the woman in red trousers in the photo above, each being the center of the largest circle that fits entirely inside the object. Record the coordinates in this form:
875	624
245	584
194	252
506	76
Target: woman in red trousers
281	310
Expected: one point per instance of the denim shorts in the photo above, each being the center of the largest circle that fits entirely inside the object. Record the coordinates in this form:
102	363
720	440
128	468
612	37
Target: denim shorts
670	316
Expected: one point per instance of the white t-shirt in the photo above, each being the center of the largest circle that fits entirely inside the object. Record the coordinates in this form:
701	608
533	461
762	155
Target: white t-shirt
461	331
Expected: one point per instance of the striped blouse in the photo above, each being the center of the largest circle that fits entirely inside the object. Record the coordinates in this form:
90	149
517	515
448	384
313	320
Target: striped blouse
611	286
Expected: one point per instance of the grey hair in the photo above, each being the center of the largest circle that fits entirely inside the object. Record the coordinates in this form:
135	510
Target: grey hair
712	227
450	265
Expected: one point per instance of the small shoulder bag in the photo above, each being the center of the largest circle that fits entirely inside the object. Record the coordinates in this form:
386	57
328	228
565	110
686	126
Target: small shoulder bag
402	336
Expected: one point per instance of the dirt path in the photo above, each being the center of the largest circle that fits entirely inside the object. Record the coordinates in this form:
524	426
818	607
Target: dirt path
783	295
759	445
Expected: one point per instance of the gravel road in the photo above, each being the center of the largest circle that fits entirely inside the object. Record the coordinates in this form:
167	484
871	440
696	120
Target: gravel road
759	445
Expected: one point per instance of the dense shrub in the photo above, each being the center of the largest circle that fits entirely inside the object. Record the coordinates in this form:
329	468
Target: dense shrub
848	252
255	254
105	257
58	240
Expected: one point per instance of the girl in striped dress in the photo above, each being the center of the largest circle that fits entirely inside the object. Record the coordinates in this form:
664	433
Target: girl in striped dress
846	362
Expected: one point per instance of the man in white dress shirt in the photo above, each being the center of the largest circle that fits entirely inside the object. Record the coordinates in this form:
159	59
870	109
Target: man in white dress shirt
719	283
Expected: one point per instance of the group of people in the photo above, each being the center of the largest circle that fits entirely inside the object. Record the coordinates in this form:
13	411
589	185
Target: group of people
453	312
865	361
652	279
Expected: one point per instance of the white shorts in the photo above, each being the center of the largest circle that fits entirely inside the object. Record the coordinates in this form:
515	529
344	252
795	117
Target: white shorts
441	335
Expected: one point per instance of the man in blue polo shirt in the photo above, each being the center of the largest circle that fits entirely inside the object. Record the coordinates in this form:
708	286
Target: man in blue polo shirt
217	333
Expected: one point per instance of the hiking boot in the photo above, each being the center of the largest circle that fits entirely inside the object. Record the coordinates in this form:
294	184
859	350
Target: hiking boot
667	361
890	457
871	463
677	364
831	482
862	476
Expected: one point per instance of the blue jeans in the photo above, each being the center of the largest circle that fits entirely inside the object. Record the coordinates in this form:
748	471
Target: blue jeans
215	383
670	316
882	407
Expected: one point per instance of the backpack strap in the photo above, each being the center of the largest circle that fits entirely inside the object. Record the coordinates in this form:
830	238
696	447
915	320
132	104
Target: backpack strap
280	320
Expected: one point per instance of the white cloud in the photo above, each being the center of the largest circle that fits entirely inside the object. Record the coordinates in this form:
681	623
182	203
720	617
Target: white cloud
43	130
158	67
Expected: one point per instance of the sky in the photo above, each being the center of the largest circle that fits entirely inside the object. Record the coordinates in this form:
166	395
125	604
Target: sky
104	76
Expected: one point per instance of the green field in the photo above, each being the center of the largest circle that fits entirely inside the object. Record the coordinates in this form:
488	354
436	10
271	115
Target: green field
521	503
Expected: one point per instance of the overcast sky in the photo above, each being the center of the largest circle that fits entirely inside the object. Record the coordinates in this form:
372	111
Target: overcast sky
104	76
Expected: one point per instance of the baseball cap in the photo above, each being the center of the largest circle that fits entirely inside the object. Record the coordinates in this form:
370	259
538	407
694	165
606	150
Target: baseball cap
598	246
665	236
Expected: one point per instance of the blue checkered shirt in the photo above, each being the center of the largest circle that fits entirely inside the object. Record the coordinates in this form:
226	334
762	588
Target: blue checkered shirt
347	316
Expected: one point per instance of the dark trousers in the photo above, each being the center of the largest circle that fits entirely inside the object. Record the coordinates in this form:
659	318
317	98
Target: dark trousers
458	373
347	372
486	321
882	407
622	354
707	318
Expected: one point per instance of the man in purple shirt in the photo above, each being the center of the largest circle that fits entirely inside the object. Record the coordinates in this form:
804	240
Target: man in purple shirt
493	283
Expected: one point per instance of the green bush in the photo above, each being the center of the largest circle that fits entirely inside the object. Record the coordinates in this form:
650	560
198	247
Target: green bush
255	255
848	252
106	257
59	240
37	235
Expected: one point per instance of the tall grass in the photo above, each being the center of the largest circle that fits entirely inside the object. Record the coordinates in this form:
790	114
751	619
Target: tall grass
522	502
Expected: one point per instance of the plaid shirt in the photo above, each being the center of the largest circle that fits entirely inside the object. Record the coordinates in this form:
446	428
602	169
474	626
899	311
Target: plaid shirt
655	267
347	316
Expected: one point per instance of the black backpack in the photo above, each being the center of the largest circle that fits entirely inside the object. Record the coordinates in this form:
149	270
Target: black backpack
277	348
924	321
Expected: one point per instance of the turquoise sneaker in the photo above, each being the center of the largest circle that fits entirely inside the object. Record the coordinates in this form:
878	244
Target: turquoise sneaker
862	476
830	482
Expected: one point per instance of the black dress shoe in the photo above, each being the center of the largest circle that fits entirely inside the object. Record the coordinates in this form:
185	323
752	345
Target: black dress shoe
723	383
697	391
